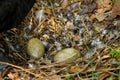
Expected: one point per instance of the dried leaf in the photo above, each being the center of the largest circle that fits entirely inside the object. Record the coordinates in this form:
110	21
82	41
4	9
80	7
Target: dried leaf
76	68
0	75
64	3
100	17
103	5
116	9
48	11
103	76
76	37
13	76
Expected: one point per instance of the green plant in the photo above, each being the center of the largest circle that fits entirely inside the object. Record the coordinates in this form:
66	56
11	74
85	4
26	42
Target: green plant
110	78
68	76
115	53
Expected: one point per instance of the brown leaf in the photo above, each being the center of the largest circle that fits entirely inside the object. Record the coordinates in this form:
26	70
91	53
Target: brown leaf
76	37
13	76
115	9
76	68
103	75
103	5
64	3
100	17
0	75
48	11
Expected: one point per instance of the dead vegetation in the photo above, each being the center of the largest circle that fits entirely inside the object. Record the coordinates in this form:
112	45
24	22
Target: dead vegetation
90	26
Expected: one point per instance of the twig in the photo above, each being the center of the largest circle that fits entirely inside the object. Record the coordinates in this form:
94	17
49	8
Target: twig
21	68
81	69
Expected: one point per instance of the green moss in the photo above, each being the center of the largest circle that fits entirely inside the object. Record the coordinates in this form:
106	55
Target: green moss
115	53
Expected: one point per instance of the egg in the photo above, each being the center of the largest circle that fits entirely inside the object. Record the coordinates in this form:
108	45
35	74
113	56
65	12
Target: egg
67	55
35	48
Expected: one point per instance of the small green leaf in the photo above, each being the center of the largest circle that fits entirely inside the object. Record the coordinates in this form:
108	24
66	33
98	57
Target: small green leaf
115	53
110	78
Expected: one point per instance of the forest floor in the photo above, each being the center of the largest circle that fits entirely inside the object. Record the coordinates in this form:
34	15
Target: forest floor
90	26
